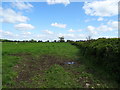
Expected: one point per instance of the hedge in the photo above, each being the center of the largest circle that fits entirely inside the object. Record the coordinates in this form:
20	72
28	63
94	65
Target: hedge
105	53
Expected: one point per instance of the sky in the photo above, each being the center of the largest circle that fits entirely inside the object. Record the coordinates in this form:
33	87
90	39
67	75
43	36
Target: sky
55	18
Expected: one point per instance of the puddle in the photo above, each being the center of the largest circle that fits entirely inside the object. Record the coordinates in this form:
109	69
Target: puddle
69	63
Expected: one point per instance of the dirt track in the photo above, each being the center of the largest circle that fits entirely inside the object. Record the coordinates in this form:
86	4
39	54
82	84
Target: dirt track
30	66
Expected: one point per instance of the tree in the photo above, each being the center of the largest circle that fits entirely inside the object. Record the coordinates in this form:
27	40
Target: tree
61	39
88	38
70	41
40	41
32	40
47	41
54	41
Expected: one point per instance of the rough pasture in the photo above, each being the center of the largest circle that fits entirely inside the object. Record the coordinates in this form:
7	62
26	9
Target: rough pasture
43	65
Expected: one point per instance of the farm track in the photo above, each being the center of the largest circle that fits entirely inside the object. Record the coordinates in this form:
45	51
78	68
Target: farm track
30	66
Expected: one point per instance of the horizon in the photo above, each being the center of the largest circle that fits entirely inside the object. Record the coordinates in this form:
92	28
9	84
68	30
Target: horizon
50	20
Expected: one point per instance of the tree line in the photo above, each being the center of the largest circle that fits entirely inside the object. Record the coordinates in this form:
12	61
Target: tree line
61	39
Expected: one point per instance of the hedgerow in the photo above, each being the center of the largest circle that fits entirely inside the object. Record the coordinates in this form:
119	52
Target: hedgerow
105	53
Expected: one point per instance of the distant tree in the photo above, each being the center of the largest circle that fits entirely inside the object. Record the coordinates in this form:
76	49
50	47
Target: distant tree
80	41
25	41
32	40
102	38
39	40
77	41
47	41
88	38
69	41
55	41
15	41
10	41
61	39
4	40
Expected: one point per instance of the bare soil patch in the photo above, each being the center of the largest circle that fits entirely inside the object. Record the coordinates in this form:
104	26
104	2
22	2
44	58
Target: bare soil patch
30	66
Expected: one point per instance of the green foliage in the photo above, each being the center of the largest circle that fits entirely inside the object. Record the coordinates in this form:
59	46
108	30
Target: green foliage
32	40
61	39
105	52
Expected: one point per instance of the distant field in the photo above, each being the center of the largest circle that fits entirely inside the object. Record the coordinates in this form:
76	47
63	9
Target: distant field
45	65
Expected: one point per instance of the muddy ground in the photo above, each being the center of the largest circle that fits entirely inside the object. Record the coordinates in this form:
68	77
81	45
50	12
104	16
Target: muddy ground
30	66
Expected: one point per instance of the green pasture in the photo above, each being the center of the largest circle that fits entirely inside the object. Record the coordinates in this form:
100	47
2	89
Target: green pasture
37	60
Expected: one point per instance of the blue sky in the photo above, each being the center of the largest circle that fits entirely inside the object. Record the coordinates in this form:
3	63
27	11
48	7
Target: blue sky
50	20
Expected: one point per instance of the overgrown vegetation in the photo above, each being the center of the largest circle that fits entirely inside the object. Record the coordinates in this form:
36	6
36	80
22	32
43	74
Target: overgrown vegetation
104	53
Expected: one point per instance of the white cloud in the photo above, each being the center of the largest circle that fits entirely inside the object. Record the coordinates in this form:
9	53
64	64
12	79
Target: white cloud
48	32
82	35
45	37
72	36
113	24
104	28
66	35
91	29
40	36
69	35
10	16
110	26
71	30
101	8
7	34
24	26
22	5
100	19
26	33
58	25
65	2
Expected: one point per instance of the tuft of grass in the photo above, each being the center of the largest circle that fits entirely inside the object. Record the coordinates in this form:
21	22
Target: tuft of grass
57	77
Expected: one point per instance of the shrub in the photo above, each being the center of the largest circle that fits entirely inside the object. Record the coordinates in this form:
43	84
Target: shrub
105	53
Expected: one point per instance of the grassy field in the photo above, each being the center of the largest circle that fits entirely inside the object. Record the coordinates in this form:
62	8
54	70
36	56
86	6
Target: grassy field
44	65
